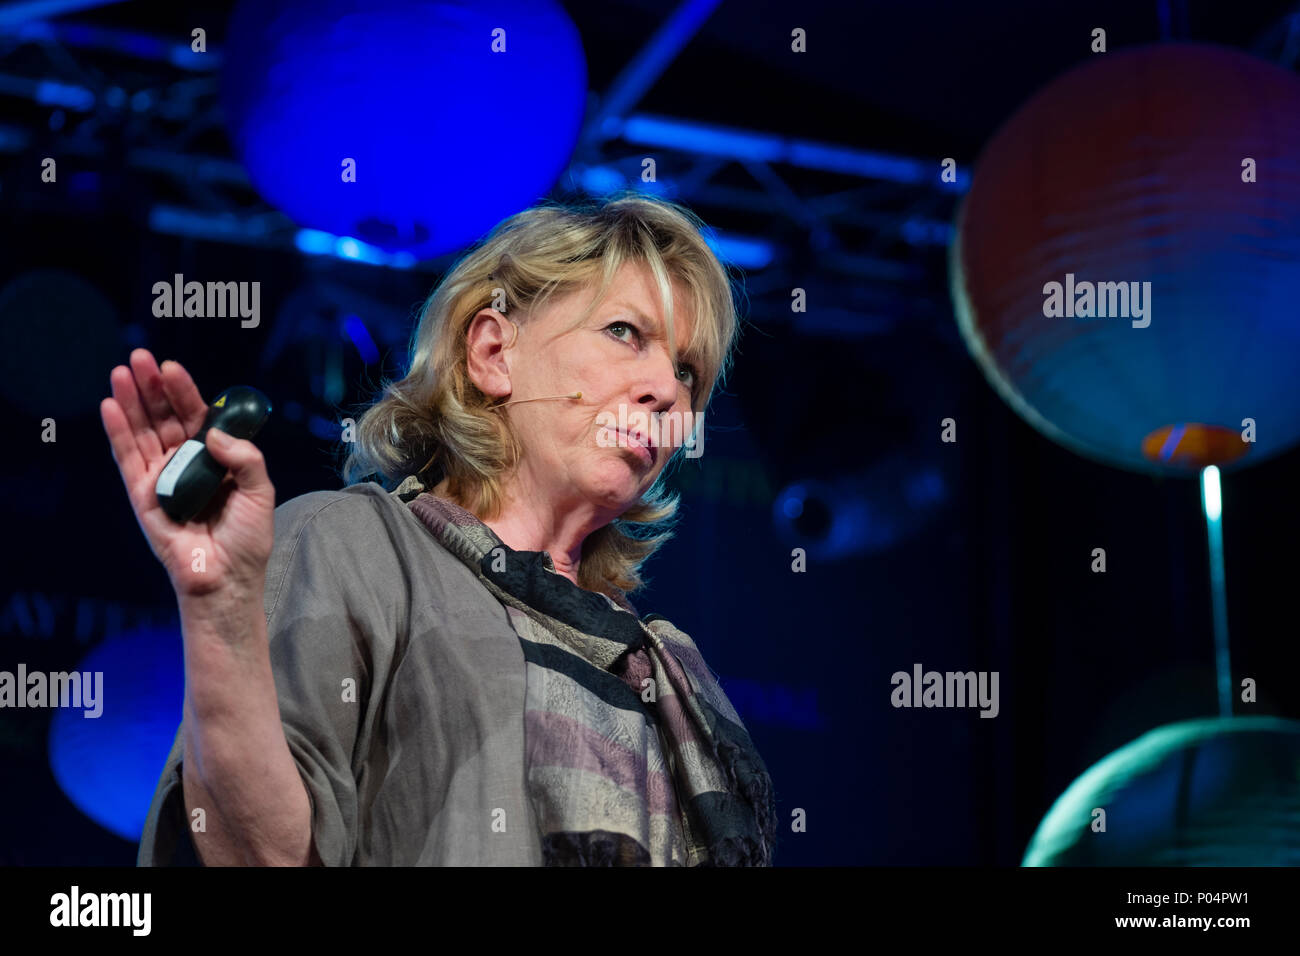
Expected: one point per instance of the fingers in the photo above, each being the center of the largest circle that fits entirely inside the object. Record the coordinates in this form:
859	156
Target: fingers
124	391
126	453
149	384
121	440
243	458
184	396
217	504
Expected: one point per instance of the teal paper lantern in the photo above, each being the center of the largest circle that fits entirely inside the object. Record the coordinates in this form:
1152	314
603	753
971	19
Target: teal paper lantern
1211	792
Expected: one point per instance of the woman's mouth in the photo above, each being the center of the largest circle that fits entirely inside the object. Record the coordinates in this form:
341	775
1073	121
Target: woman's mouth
633	442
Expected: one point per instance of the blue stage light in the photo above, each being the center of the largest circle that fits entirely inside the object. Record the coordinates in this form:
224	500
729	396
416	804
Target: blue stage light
599	180
359	335
742	251
455	115
867	513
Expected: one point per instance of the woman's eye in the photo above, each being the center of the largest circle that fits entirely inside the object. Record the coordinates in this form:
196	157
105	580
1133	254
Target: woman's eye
685	373
622	325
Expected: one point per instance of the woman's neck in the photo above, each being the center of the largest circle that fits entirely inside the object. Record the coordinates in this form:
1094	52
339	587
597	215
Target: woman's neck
520	528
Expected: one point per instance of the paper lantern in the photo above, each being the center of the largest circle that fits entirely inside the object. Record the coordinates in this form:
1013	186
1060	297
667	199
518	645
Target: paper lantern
108	762
1170	173
453	115
1214	792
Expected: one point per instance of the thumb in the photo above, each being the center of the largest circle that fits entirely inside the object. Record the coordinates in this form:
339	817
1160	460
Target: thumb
242	457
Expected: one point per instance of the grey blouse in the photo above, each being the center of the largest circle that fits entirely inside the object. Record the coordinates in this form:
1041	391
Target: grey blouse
422	762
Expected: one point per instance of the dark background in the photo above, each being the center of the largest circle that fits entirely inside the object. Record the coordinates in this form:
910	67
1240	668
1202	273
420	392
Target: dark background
995	577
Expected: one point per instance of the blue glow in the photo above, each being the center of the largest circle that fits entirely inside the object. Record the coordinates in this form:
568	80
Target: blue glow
1211	497
314	242
749	146
792	502
317	243
49	93
842	159
360	336
17	13
767	703
869	512
600	180
742	251
177	221
702	138
84	181
121	41
29	32
446	135
1171	443
324	429
924	232
109	765
181	55
855	525
13	139
1212	501
924	488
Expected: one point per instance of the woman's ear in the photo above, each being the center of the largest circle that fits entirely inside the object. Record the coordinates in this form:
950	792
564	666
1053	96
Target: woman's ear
489	336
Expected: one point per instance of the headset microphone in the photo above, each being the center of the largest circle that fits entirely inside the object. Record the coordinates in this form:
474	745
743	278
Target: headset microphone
541	399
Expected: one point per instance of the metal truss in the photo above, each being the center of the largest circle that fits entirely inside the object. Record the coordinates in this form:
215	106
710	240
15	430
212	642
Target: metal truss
871	244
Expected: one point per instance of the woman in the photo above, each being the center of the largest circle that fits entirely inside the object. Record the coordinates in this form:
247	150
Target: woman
451	672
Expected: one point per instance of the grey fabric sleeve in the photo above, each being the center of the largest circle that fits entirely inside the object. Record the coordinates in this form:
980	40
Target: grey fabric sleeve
166	838
327	624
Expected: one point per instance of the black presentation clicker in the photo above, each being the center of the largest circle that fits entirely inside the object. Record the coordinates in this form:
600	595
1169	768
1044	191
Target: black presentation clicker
191	476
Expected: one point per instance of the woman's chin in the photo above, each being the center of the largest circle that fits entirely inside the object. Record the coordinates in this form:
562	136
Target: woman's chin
615	488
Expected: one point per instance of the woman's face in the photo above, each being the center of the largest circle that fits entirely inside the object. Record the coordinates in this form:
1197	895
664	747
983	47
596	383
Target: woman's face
606	448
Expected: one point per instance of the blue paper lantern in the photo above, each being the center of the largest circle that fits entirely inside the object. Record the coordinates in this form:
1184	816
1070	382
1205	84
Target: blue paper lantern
451	115
109	765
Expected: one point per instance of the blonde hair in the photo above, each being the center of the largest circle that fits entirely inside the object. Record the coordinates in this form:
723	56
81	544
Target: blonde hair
436	421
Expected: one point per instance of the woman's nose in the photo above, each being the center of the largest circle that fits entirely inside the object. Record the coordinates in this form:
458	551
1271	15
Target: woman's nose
660	390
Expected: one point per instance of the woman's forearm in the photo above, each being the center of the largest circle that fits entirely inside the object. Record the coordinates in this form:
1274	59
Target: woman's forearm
237	765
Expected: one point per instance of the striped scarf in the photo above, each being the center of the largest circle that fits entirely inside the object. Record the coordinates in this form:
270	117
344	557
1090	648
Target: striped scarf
633	754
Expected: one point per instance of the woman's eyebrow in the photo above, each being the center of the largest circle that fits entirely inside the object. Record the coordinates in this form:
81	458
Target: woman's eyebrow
621	308
653	324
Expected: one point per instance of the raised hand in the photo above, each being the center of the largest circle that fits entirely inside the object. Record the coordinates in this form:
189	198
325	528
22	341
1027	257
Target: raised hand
225	548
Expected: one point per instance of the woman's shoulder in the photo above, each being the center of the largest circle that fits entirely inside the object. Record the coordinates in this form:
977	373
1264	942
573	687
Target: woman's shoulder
356	506
361	526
